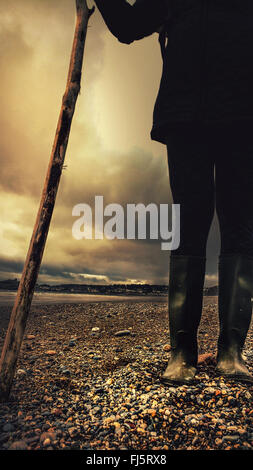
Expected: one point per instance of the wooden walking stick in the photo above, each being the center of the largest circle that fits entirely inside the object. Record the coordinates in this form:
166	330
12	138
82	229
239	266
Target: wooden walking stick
29	277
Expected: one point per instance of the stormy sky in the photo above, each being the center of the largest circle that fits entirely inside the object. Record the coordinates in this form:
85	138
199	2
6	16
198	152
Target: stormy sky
110	152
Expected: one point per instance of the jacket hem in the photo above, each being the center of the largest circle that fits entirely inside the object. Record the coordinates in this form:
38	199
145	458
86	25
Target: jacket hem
159	132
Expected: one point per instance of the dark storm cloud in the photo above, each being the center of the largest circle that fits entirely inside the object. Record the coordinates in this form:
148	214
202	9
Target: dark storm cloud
10	266
117	262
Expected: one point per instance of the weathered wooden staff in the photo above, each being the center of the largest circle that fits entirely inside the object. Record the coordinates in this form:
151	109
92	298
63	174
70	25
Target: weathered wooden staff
28	281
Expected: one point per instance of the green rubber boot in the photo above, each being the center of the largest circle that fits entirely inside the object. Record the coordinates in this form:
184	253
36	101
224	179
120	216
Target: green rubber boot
235	310
187	274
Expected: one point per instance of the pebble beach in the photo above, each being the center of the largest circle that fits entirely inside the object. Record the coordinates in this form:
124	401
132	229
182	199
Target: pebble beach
88	377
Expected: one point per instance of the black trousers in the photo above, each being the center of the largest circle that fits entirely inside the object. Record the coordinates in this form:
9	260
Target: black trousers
211	167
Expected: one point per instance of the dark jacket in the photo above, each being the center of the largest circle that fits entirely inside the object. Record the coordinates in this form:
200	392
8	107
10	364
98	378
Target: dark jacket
208	65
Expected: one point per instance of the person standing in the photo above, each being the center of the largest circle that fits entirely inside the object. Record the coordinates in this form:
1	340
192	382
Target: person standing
204	115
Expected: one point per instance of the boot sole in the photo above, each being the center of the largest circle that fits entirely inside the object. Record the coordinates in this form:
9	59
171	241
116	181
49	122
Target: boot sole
236	377
176	382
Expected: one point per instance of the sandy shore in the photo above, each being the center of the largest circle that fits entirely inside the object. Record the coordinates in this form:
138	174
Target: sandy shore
80	388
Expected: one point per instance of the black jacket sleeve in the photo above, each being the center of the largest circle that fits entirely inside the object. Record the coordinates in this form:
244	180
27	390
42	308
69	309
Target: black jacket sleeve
130	22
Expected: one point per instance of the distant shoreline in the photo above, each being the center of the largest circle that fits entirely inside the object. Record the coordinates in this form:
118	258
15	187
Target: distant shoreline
126	290
125	294
7	298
